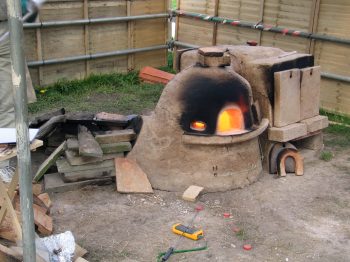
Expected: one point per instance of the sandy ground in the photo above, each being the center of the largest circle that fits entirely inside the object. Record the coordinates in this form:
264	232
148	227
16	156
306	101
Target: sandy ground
285	219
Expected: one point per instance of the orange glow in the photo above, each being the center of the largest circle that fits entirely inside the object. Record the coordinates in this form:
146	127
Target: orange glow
230	121
198	126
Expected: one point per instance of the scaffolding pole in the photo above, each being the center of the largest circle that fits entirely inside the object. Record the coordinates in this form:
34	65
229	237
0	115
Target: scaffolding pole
14	12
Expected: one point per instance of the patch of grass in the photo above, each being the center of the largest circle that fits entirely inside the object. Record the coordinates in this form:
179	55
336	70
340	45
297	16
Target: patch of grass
336	117
326	156
241	235
173	4
340	136
119	93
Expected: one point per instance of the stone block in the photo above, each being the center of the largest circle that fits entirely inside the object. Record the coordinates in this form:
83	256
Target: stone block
316	123
310	85
287	133
287	97
313	142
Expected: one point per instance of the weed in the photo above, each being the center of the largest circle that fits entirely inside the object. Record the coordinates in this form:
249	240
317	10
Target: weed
326	156
241	235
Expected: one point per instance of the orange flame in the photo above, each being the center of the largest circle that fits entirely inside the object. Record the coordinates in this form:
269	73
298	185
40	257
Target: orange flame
230	121
198	126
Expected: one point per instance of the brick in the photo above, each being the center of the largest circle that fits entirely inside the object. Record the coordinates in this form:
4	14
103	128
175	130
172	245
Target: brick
287	97
152	75
287	133
192	193
310	92
315	123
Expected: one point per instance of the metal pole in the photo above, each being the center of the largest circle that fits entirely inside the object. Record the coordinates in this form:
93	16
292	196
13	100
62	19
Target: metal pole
95	56
262	27
21	110
94	21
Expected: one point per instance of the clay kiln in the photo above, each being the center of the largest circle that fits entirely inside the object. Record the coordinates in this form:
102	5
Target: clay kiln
208	126
202	131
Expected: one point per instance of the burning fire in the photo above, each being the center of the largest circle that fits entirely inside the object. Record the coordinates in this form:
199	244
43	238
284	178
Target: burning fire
230	121
198	126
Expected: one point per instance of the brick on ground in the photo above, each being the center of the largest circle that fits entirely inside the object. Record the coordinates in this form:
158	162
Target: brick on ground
191	193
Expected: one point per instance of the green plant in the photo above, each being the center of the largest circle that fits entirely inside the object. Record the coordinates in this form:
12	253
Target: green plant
326	156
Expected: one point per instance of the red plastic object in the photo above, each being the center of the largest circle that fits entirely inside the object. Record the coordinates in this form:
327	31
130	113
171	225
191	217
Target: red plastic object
152	75
227	215
199	208
247	247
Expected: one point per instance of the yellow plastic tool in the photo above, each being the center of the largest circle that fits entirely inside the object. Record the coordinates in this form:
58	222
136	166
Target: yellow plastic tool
191	233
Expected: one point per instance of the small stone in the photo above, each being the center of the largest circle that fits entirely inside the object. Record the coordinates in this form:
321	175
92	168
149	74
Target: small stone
236	229
232	245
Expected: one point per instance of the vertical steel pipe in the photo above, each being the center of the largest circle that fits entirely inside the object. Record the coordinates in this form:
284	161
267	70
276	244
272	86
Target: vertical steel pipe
14	12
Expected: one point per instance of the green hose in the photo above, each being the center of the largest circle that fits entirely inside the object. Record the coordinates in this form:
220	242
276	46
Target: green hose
160	255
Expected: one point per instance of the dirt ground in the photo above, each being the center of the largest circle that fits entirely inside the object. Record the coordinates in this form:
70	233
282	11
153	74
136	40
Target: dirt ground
294	218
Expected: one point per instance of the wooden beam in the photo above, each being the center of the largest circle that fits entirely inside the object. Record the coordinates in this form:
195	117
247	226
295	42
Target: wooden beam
215	25
314	15
49	162
87	144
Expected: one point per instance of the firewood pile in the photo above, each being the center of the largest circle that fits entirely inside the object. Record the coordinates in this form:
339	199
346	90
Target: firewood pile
83	147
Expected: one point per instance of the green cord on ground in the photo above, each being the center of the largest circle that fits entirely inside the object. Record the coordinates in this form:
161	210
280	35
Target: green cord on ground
160	255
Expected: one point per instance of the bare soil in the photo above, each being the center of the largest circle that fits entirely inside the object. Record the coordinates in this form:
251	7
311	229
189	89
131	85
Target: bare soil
294	218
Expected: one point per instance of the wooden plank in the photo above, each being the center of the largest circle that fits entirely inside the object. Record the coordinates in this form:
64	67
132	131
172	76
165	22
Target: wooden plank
116	136
49	162
72	144
79	251
43	221
63	166
287	97
54	183
75	160
310	86
88	175
46	199
13	151
130	177
88	146
119	147
8	255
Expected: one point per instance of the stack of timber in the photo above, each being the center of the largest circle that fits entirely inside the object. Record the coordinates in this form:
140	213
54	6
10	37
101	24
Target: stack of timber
42	218
86	155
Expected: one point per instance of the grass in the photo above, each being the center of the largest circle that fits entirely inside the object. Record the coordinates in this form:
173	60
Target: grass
118	93
339	133
326	156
